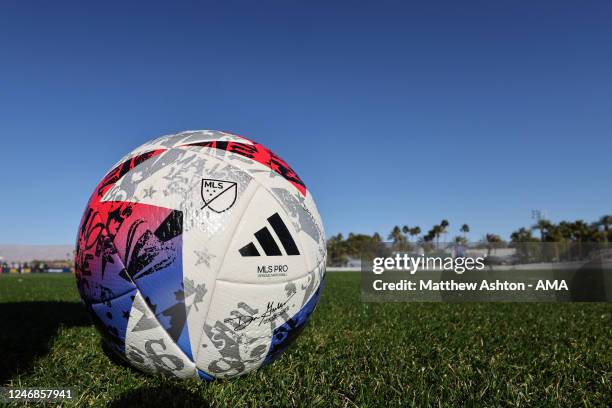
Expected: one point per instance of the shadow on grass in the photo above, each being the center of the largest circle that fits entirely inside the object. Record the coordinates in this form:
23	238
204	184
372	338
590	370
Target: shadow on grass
27	329
168	395
114	357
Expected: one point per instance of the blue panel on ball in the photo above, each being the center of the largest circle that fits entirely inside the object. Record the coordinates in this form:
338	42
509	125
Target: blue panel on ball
286	334
162	286
204	376
174	319
111	319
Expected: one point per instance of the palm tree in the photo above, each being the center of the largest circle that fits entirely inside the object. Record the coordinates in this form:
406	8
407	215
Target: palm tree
521	240
406	231
460	240
564	230
444	227
522	235
492	240
580	232
544	226
397	237
465	229
414	231
437	231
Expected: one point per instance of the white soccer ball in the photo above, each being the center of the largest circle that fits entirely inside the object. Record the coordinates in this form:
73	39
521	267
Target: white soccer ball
200	254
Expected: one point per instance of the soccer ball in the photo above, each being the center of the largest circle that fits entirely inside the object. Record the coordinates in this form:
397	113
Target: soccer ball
200	254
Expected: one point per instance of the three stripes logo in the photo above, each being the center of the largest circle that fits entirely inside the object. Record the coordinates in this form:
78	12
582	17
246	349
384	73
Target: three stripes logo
268	243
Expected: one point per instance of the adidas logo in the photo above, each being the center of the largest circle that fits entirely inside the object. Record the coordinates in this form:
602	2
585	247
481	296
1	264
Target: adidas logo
268	244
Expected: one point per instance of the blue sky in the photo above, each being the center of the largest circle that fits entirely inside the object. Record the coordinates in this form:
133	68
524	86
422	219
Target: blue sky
391	112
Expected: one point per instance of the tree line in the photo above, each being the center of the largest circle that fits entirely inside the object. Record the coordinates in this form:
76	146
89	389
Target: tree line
340	249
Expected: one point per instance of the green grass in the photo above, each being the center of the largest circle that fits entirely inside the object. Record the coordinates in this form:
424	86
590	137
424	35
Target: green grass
352	354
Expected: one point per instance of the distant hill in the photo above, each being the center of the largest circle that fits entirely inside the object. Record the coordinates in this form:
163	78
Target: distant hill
25	253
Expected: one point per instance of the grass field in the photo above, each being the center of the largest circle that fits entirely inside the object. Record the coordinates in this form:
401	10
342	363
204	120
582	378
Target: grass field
352	354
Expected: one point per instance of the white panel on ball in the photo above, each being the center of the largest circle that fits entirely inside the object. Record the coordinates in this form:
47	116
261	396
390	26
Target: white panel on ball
241	321
271	257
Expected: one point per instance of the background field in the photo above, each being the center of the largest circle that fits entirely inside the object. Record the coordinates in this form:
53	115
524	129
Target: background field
352	354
